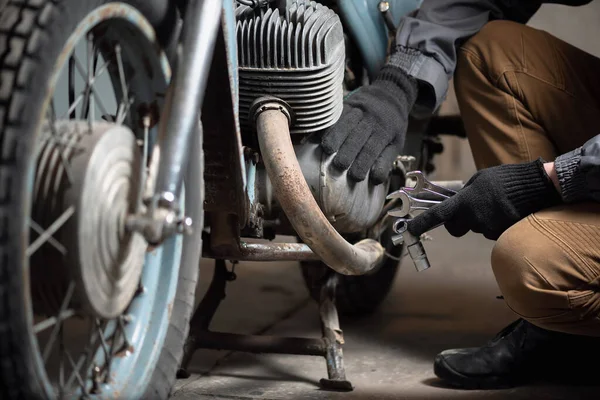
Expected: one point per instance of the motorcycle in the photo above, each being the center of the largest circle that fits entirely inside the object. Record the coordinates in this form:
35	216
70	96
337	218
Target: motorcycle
141	135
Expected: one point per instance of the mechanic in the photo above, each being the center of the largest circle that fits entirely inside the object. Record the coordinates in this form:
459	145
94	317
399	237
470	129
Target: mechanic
531	108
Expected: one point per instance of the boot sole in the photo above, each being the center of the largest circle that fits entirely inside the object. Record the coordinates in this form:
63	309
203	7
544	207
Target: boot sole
449	375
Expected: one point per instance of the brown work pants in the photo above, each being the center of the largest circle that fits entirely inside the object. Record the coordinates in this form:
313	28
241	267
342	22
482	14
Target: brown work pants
525	94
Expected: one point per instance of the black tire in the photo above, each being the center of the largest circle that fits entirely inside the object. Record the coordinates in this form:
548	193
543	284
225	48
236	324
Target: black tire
32	34
357	296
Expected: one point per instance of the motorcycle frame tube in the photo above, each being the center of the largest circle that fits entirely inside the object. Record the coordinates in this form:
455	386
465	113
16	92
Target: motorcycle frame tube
365	23
265	252
298	203
186	94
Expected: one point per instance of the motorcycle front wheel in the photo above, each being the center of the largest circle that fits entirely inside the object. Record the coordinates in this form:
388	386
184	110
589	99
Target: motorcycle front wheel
87	308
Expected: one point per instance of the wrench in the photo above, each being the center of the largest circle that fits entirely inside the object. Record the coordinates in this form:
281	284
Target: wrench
423	185
409	203
413	244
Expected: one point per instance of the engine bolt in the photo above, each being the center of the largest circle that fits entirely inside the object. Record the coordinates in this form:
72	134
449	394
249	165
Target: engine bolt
96	380
185	226
384	6
140	290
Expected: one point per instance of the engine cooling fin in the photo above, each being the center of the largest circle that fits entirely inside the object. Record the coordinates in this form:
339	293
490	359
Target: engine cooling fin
297	55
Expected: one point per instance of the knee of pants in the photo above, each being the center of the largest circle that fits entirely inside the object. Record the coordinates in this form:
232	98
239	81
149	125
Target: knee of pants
526	291
493	50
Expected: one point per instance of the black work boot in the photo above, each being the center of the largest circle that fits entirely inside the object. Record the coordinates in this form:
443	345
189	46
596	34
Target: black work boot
520	353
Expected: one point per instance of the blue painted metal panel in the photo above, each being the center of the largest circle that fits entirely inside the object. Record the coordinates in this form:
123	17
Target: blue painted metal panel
229	30
228	24
365	24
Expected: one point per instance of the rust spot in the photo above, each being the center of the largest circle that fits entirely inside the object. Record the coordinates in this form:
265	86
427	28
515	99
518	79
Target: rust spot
339	336
106	12
113	11
152	249
125	351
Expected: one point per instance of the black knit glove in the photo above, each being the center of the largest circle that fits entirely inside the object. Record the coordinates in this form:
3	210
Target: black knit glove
491	201
371	130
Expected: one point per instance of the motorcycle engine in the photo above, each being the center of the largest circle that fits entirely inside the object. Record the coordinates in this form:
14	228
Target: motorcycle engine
295	50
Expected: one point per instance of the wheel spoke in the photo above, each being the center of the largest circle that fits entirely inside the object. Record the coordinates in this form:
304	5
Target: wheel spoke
146	119
88	77
86	354
125	103
126	107
121	69
40	231
44	237
108	361
72	84
92	61
61	363
47	323
75	373
79	98
105	348
58	325
73	106
126	343
91	80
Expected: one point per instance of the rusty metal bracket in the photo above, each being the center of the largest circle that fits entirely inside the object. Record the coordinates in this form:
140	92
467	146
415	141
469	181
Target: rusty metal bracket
328	346
265	252
224	176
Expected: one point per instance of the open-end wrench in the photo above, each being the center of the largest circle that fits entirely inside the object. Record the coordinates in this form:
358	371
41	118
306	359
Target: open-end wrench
423	185
409	203
409	195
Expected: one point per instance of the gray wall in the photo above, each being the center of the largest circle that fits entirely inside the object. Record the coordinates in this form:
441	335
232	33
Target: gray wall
579	26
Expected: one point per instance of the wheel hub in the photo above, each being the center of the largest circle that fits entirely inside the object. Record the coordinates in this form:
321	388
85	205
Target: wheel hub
93	175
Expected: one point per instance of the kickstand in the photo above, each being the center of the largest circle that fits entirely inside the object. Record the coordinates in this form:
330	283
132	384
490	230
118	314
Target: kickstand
328	346
333	336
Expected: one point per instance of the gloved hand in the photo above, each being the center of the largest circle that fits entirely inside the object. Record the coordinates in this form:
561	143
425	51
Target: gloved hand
371	130
491	201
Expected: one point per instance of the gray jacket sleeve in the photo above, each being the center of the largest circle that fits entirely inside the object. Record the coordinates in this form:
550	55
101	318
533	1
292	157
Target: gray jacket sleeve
579	172
428	38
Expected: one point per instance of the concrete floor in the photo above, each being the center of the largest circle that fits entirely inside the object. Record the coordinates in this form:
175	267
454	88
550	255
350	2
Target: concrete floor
389	354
